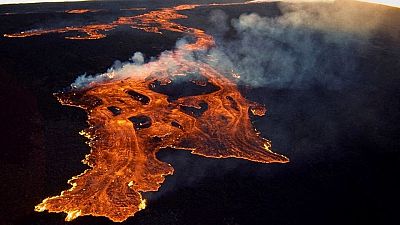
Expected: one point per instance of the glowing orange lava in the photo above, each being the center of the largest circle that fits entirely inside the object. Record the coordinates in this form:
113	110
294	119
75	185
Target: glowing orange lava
81	11
130	119
154	21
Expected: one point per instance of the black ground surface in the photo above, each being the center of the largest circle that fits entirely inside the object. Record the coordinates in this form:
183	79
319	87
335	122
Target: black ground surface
343	145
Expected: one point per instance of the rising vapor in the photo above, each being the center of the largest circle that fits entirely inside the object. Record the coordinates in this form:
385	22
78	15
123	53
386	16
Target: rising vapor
393	3
309	44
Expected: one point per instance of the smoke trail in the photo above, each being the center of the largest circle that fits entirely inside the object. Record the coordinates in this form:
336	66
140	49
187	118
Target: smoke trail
392	3
136	65
309	44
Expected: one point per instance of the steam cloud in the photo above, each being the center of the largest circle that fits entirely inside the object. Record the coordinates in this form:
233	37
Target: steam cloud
308	44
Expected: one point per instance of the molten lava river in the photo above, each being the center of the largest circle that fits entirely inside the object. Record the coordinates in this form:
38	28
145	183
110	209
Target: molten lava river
132	117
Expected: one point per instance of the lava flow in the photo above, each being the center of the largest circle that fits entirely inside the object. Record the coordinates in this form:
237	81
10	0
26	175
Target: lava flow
154	21
132	117
81	11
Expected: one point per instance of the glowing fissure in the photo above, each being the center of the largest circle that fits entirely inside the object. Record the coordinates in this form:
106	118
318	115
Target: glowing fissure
131	118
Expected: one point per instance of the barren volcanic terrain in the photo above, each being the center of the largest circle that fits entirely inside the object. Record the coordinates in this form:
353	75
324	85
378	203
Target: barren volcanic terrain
209	92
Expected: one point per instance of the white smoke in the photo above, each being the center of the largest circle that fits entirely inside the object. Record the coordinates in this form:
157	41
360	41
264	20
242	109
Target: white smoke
169	61
393	3
138	58
309	44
